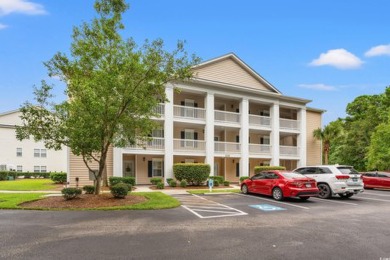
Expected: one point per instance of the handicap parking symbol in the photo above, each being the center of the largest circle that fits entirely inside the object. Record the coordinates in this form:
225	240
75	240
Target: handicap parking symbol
266	207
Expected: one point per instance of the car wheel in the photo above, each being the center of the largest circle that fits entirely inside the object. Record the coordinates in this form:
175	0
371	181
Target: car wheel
277	194
346	195
325	191
244	189
304	198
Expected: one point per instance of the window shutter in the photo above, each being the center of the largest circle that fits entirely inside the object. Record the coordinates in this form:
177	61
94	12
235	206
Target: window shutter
182	135
237	110
195	104
196	136
237	169
162	170
237	138
150	169
182	103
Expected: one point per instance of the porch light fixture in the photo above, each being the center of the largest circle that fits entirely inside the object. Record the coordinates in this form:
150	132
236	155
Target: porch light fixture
233	161
143	159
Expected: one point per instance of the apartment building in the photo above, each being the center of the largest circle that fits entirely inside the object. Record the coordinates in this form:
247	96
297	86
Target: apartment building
27	155
227	116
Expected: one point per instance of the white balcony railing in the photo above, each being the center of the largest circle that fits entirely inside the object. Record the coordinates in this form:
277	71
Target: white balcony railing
229	147
289	150
189	112
189	145
264	149
159	109
227	117
156	143
263	121
288	124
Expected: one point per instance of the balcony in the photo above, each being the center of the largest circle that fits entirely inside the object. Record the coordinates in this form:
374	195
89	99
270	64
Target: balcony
260	121
289	150
189	112
259	149
227	147
159	109
226	117
156	143
184	145
288	124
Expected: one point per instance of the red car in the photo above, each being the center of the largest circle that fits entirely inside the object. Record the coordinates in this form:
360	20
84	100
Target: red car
373	180
281	184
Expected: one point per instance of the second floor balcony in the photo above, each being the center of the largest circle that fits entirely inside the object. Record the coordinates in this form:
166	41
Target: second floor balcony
226	117
189	145
260	121
289	150
186	112
289	124
259	149
227	147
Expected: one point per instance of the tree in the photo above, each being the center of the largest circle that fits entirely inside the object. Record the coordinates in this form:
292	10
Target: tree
326	135
113	86
379	150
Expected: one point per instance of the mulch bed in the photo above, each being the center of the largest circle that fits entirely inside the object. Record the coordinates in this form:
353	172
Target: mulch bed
84	201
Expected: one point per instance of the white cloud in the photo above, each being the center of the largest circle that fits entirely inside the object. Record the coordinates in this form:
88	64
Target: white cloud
378	51
318	86
20	6
3	26
339	58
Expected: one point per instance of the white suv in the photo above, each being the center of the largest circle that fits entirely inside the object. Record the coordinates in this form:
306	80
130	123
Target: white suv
334	179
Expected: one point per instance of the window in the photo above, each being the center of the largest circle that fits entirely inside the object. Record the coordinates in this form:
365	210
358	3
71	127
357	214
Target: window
19	152
189	135
40	153
157	167
43	168
92	175
37	168
19	168
265	140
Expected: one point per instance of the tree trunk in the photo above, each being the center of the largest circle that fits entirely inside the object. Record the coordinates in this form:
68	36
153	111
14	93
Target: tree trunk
105	177
98	184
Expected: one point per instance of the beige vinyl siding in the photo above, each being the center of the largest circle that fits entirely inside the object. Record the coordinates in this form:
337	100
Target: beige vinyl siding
78	169
313	146
230	72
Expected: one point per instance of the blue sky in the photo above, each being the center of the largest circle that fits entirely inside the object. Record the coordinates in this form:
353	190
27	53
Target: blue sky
328	51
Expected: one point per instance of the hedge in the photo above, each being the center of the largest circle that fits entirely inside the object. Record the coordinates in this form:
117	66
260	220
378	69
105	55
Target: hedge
113	180
58	177
27	175
193	173
120	190
220	179
267	168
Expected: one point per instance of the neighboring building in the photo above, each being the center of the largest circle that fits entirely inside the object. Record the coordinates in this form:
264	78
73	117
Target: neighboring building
227	116
27	155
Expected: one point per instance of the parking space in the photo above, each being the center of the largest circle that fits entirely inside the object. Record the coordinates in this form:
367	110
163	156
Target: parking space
237	204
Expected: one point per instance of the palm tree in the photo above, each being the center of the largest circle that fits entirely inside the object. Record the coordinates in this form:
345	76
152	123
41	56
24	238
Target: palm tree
326	135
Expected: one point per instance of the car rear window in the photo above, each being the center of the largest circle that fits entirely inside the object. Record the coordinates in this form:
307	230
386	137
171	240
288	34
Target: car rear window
291	175
347	170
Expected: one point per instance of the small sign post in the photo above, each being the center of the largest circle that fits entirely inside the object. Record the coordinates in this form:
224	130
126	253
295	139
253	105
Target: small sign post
211	184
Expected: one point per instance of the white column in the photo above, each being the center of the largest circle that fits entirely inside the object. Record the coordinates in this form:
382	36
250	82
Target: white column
244	137
117	162
275	136
209	131
301	142
168	133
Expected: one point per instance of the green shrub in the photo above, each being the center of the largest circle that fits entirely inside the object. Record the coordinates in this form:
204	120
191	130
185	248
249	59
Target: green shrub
3	175
267	168
169	180
27	175
160	185
70	193
119	190
44	175
216	183
58	177
89	189
220	179
156	180
172	183
113	180
193	173
243	178
183	183
226	183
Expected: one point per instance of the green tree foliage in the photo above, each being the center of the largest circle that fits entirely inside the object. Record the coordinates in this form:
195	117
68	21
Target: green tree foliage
354	142
113	86
327	135
379	150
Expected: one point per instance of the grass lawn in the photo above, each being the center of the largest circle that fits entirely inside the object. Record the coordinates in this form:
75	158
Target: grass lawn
213	191
11	200
156	200
28	185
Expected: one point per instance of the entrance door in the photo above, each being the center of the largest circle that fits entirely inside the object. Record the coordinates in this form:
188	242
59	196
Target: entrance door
128	168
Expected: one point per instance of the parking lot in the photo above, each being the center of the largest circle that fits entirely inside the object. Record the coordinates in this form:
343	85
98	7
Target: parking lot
224	226
234	205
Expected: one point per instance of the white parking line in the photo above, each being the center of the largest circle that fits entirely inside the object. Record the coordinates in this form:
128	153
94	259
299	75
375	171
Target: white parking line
335	201
274	201
364	198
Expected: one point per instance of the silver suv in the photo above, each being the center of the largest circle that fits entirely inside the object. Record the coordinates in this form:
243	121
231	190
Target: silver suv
342	180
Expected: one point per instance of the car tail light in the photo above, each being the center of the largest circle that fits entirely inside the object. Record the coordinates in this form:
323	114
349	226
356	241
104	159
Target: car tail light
296	184
342	177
